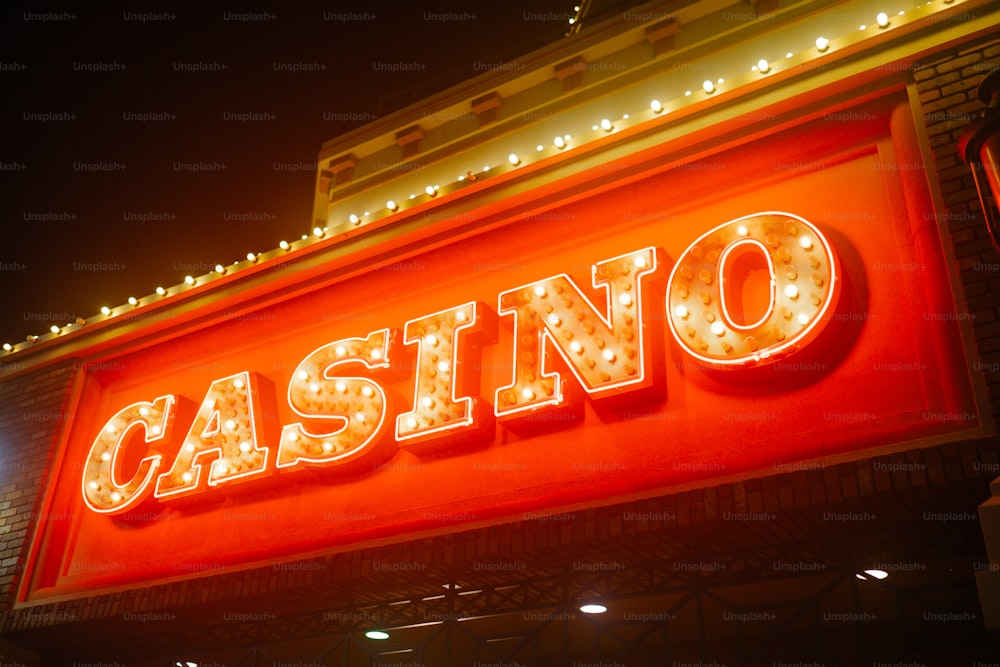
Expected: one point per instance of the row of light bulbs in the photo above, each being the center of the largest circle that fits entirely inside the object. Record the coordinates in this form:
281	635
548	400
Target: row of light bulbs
763	67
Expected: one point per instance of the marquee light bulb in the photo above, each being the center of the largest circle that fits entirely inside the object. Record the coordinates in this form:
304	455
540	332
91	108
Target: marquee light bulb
429	190
105	310
606	125
161	291
188	279
656	106
681	311
391	205
625	299
883	20
284	245
8	347
54	329
513	159
132	301
251	257
792	292
718	329
708	87
822	43
806	242
559	142
763	66
219	268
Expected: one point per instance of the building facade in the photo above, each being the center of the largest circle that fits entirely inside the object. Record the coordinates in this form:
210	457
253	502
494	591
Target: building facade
691	316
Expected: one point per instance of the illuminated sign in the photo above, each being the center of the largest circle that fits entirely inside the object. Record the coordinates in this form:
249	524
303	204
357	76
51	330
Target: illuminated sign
775	263
572	344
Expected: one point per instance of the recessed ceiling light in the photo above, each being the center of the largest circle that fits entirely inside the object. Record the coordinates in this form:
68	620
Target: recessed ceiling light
593	608
872	574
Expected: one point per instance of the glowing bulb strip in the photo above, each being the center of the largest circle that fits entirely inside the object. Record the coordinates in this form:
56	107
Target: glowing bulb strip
822	47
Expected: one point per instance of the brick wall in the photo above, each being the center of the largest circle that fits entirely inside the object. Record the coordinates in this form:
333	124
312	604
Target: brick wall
33	409
947	85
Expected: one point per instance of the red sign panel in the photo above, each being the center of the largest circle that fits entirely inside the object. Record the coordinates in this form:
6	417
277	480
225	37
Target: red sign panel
775	303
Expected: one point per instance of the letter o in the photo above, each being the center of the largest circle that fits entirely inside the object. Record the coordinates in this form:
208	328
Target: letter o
802	290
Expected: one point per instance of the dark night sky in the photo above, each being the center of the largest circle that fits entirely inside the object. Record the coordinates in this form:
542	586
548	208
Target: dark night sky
94	208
